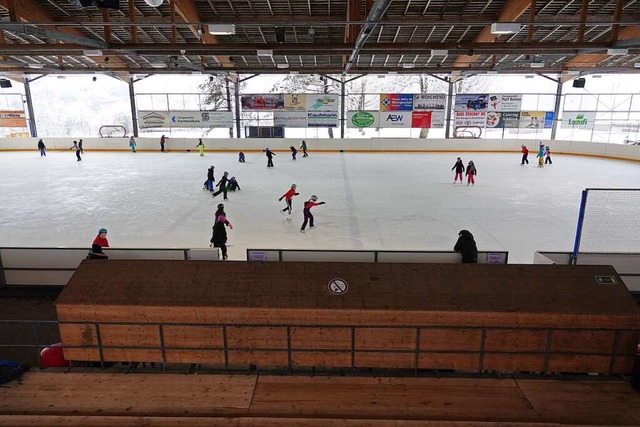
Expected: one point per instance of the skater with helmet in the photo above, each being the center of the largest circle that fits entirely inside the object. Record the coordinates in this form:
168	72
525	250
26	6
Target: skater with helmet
540	155
208	184
200	147
308	216
525	155
288	196
459	167
98	243
219	236
471	173
547	152
269	155
222	185
220	212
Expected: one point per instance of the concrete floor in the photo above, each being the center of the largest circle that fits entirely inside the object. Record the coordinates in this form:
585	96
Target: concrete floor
374	201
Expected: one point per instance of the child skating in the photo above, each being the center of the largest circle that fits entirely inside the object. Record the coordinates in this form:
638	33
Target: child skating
547	153
540	156
288	196
303	147
525	155
42	148
233	184
78	150
308	216
471	173
208	184
269	155
200	147
222	186
132	144
294	152
241	157
459	167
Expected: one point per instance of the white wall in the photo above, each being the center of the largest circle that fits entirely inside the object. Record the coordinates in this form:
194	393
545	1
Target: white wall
631	152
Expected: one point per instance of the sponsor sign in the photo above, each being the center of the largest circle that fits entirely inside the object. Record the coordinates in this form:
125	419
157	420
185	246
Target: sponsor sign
429	102
363	119
501	119
536	119
185	119
578	119
13	119
322	119
510	103
437	119
323	102
262	102
396	102
291	119
295	102
470	118
399	119
421	119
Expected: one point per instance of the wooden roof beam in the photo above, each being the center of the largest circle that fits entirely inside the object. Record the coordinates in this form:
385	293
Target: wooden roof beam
594	60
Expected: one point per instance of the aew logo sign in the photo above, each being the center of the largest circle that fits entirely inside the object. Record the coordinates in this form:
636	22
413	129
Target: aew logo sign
398	120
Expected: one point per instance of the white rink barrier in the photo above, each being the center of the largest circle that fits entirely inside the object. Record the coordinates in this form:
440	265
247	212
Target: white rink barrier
426	257
55	266
619	151
627	265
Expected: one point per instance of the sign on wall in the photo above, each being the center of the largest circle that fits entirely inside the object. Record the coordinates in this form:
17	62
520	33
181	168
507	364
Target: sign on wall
497	120
262	102
185	119
396	102
429	102
488	102
291	119
322	119
363	119
324	102
536	119
578	119
295	102
505	103
397	119
13	119
470	118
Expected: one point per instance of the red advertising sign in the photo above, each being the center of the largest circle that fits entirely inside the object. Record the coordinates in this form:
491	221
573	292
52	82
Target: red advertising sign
421	119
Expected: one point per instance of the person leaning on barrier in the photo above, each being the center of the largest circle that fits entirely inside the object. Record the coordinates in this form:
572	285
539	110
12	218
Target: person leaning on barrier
466	245
98	243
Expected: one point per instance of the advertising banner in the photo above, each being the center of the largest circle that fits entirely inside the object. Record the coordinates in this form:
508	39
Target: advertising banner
185	119
363	119
497	119
396	120
578	119
536	119
262	102
429	102
13	119
325	102
295	102
437	119
290	119
510	103
470	118
322	119
396	102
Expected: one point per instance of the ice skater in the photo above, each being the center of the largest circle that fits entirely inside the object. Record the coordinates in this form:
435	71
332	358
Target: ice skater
466	246
308	216
163	140
540	156
459	167
233	184
269	155
303	147
78	150
219	236
294	152
471	173
132	144
241	157
220	212
288	196
208	184
525	154
42	148
80	146
547	153
222	185
200	147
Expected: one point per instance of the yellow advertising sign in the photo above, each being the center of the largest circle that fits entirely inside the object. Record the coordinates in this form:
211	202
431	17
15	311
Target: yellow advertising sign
295	102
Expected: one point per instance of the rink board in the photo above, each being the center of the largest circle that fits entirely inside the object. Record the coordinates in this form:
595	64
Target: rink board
466	317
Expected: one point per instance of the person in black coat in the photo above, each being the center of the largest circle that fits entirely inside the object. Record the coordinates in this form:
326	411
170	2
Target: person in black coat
222	185
270	155
466	245
42	148
459	167
219	237
208	184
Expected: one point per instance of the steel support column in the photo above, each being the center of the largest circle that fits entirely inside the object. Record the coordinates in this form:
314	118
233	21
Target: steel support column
343	102
237	99
132	101
556	109
226	81
32	118
449	107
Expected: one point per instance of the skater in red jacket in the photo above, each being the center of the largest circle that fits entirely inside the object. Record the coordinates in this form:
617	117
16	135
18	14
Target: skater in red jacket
525	154
287	197
308	217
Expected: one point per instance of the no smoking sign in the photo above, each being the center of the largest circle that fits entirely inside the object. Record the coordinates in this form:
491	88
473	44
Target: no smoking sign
338	286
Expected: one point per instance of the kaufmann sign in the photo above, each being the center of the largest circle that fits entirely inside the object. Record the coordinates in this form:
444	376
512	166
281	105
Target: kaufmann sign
578	119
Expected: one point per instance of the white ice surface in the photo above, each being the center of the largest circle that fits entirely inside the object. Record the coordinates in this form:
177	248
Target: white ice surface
374	201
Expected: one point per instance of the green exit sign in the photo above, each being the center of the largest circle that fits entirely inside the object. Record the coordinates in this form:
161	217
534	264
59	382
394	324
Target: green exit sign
605	280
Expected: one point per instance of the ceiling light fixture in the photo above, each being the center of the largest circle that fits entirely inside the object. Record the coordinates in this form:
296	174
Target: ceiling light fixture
617	52
537	64
505	28
158	65
221	29
35	65
439	52
282	66
92	52
636	65
409	65
265	52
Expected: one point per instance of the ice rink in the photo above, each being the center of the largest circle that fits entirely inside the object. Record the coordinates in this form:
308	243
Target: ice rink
374	201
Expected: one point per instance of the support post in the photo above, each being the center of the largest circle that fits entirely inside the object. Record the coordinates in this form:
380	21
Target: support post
447	131
32	118
226	81
132	101
556	109
576	243
343	102
237	99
